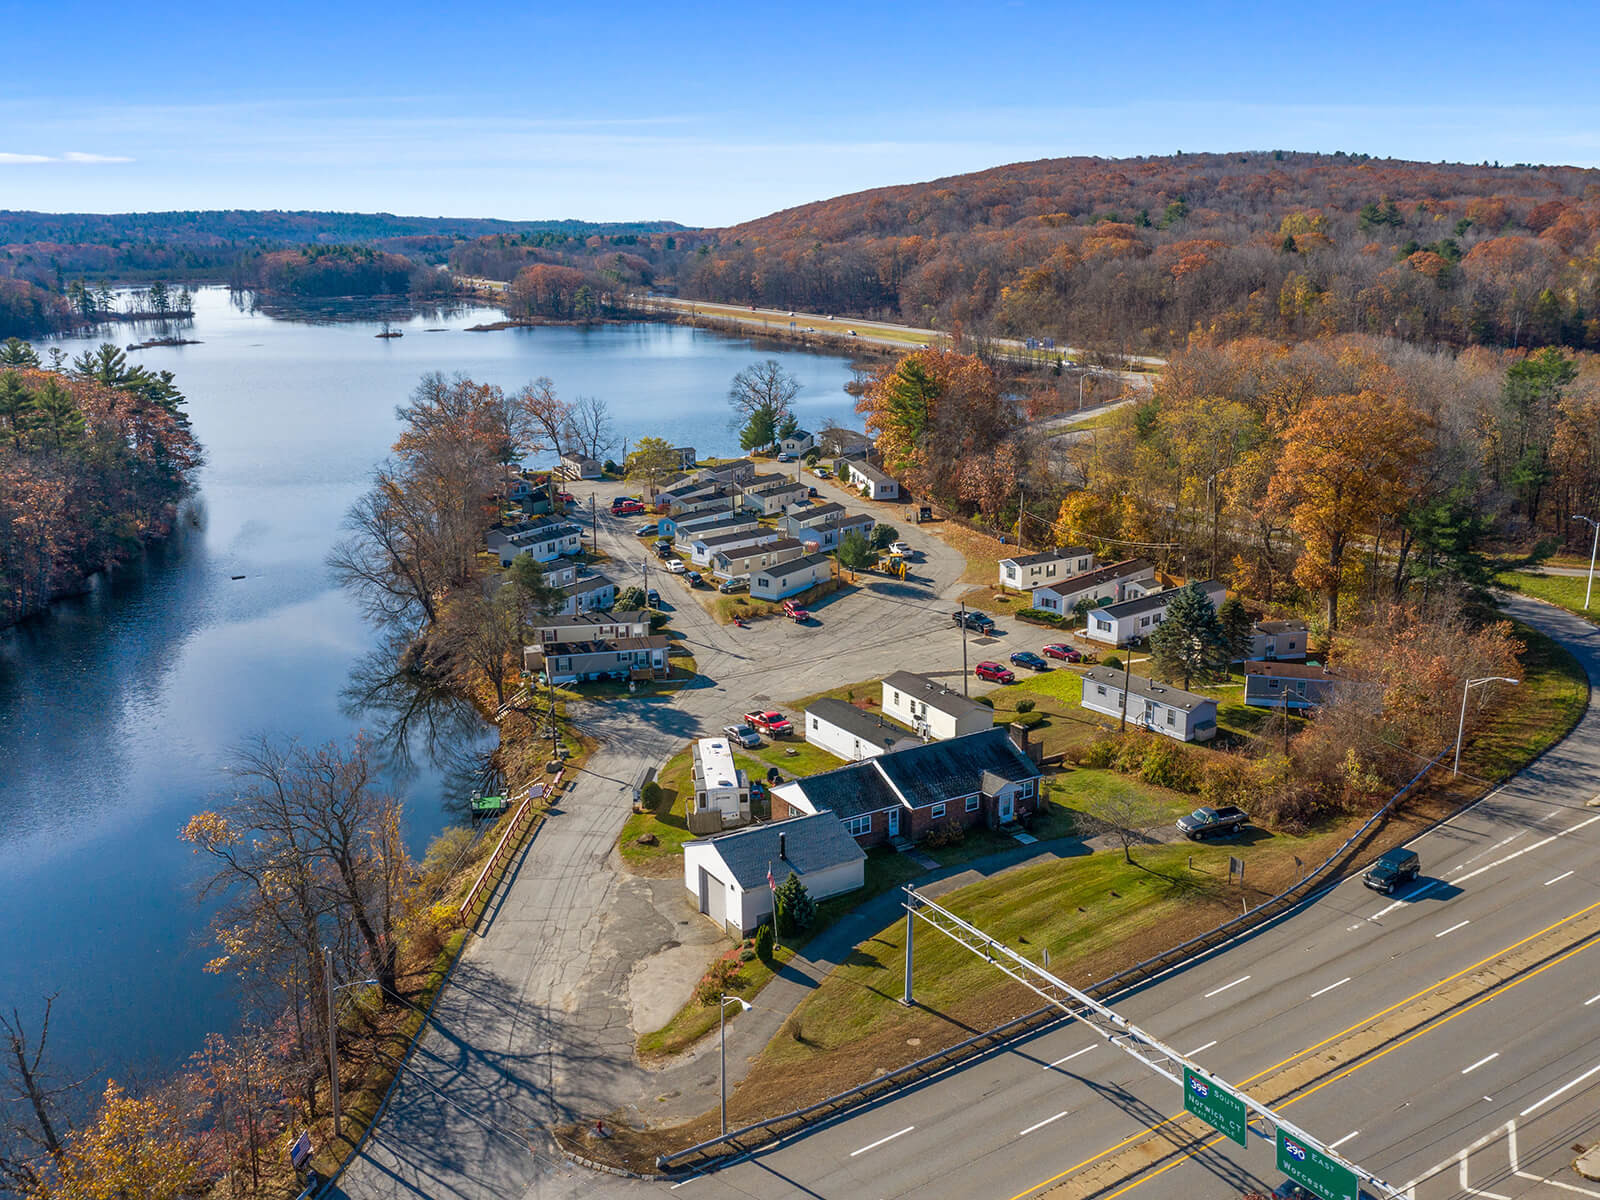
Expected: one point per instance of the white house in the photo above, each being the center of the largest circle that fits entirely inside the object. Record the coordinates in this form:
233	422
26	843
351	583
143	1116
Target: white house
826	525
833	440
1116	582
576	466
592	626
771	494
1150	705
718	783
932	709
872	482
747	560
701	548
587	593
1135	620
683	530
739	470
615	658
545	540
782	580
850	733
1028	571
1273	641
727	874
797	444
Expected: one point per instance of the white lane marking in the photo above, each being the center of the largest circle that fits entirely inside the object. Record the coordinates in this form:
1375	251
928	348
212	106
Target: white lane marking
1041	1124
1453	928
1591	999
1207	1046
1559	878
881	1141
1343	1140
1226	986
1330	987
1565	1087
1527	849
1516	1167
1069	1057
1416	895
1479	1063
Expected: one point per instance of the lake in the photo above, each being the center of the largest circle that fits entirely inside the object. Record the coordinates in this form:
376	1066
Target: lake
119	708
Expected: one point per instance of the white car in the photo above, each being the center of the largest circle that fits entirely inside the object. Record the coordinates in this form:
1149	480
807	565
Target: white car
675	566
900	548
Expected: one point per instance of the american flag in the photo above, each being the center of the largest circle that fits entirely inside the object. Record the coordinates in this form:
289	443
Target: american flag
771	887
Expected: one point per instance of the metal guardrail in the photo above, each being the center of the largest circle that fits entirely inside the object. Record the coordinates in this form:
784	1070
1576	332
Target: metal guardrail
1267	910
509	839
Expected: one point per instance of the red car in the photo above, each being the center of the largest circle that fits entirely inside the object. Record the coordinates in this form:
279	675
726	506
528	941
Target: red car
627	508
795	612
771	723
1062	651
994	673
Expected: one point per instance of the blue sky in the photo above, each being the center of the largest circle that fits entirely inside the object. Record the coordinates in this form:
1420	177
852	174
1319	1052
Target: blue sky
711	114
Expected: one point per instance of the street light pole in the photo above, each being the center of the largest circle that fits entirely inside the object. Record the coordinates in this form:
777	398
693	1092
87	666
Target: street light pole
333	1037
722	1043
1461	725
1593	546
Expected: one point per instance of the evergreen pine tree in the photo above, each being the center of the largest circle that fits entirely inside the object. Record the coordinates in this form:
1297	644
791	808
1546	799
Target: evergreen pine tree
1190	640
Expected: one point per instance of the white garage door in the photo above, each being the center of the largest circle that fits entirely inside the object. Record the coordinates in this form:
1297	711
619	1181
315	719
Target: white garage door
713	897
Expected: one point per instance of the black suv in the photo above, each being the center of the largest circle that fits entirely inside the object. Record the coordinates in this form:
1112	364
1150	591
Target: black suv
1393	868
981	622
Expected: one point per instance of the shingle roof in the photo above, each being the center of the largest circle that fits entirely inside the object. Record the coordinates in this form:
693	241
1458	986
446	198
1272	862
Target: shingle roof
1289	670
934	695
817	512
745	536
869	727
794	566
777	547
1280	627
810	843
940	771
1152	602
1089	579
849	791
1140	685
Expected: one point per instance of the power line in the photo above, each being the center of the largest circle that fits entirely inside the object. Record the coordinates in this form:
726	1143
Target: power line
1057	526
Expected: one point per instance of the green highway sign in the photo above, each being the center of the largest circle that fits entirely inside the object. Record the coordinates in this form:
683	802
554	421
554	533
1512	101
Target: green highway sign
1215	1105
1311	1168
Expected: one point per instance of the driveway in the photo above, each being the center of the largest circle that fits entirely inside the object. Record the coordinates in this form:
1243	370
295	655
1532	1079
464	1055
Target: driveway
534	1029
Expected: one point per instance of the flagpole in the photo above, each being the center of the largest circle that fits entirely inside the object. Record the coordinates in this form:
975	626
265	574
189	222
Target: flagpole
773	888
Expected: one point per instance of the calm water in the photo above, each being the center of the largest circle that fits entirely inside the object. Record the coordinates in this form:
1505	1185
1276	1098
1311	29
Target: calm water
117	710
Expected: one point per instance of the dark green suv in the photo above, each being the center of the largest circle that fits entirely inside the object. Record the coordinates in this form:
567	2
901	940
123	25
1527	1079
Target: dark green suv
1393	868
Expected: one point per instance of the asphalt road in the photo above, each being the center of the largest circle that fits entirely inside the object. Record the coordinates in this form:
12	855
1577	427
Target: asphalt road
1454	1069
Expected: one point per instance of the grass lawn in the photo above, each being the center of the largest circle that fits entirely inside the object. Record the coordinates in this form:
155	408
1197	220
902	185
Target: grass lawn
1565	591
1100	420
1552	698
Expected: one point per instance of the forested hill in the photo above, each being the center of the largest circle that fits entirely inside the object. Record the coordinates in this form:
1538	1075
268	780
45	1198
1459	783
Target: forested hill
1141	253
279	228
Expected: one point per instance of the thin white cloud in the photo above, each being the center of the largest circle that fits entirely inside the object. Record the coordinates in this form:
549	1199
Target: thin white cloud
71	156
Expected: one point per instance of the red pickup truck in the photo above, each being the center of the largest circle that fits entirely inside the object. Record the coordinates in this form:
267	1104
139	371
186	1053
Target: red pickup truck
794	612
771	723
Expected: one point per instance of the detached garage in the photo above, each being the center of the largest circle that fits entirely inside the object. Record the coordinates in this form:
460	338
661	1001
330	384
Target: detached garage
726	875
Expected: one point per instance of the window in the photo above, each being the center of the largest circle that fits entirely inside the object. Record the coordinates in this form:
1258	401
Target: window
936	811
859	826
1273	684
1172	718
896	696
1099	689
1050	571
1025	788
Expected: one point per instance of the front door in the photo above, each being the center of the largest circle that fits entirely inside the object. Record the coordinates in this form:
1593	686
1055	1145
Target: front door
1007	809
894	822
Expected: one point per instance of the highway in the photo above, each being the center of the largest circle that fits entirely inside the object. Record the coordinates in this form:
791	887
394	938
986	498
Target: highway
1406	1029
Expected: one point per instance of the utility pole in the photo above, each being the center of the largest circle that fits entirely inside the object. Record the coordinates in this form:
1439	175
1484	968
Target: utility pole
1021	543
963	646
333	1039
594	528
555	730
1127	672
906	998
1593	546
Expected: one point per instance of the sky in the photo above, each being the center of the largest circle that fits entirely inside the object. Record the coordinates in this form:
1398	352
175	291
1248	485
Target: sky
710	114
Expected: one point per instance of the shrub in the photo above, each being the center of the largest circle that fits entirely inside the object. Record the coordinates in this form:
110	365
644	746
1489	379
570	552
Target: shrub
444	852
747	956
1043	616
989	700
1101	753
658	621
882	535
650	795
796	908
764	942
722	977
1166	764
610	467
1113	661
1025	706
630	598
951	833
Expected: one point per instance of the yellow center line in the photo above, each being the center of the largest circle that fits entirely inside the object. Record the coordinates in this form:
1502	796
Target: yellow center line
1143	1133
1188	1154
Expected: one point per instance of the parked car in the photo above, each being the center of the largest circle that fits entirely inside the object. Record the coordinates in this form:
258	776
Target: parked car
974	619
694	578
1393	868
823	473
994	673
739	583
618	501
653	598
770	722
785	457
630	508
664	553
648	530
1027	658
794	612
662	543
1063	651
903	549
744	735
675	566
812	492
1208	822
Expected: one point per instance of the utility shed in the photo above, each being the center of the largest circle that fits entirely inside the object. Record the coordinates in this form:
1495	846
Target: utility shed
726	875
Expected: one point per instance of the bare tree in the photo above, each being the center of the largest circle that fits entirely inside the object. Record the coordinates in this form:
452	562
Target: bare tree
547	414
1127	816
590	428
27	1089
763	389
